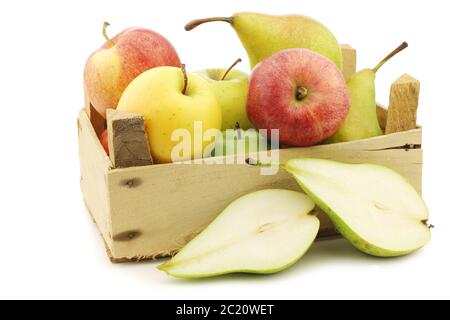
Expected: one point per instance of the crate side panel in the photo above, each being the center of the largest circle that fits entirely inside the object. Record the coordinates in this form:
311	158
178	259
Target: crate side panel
168	205
392	141
94	166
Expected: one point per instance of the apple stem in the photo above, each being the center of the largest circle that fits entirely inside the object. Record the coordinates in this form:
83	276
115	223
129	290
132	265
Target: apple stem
239	130
195	23
231	68
302	93
402	47
183	69
105	34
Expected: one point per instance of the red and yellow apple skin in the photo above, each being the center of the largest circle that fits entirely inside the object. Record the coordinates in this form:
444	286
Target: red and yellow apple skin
111	69
301	93
104	141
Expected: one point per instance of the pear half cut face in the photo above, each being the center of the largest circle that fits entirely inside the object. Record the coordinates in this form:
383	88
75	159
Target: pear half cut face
372	206
263	232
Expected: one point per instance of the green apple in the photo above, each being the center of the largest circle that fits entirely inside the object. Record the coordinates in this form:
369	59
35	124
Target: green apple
264	232
171	101
231	90
239	142
372	206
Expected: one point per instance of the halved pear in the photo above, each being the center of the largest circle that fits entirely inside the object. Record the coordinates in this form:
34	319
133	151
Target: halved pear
264	232
372	206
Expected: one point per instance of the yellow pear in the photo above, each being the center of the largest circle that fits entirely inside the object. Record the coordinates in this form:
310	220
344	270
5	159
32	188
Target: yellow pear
263	35
362	120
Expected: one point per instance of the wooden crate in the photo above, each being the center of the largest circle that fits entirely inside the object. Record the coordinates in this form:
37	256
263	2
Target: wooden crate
152	211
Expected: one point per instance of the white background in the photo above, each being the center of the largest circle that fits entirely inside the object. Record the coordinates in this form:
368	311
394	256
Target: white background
49	247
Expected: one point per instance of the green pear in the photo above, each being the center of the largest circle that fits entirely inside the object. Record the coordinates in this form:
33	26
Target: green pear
239	141
362	121
372	206
231	90
263	35
263	232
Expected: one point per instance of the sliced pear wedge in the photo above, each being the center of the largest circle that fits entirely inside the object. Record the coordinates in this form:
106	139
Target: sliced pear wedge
264	232
372	206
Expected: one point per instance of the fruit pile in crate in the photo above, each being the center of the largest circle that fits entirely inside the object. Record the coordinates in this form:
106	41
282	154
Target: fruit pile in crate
297	150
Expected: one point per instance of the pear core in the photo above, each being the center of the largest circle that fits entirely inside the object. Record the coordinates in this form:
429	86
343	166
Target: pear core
263	232
372	206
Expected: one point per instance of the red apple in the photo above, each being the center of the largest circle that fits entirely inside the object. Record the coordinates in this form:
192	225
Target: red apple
120	60
104	141
301	93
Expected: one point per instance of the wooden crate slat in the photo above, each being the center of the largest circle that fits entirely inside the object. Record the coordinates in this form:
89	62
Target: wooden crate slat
403	104
94	166
348	61
127	140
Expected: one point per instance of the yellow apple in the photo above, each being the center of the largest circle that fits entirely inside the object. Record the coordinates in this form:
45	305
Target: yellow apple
171	100
231	93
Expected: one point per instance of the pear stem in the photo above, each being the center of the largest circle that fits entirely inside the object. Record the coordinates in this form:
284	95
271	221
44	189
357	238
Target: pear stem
429	226
402	47
195	23
105	34
185	77
231	68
